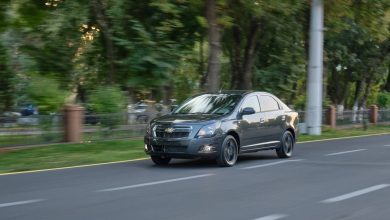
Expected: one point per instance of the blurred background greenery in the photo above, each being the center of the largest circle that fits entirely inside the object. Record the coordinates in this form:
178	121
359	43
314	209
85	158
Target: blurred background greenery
119	52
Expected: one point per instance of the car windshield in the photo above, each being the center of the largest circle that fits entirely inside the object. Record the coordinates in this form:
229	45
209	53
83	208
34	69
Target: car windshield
209	104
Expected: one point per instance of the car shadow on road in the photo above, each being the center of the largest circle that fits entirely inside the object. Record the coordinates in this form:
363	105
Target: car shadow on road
211	163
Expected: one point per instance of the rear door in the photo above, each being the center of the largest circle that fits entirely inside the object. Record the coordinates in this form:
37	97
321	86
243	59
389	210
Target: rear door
273	116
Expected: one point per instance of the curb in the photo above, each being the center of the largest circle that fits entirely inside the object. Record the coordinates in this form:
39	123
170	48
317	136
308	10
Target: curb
341	138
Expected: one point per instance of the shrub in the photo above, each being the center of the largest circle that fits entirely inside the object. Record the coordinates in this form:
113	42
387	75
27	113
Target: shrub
110	102
384	99
46	93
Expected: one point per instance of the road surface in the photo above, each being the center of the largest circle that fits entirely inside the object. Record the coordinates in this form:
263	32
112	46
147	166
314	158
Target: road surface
338	179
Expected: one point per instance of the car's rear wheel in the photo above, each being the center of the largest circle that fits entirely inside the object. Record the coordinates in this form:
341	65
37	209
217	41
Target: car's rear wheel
160	160
286	145
229	152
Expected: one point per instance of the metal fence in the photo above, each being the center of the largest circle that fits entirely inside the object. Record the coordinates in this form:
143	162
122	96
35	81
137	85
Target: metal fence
352	117
113	126
30	130
44	129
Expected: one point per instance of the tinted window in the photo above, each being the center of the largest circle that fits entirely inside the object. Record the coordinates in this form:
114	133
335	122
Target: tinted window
209	104
252	102
268	103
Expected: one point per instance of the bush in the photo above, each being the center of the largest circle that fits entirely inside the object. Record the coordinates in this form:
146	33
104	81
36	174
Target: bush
46	94
110	102
384	99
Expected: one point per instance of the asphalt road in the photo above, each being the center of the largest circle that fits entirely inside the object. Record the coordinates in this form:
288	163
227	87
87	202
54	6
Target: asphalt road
339	179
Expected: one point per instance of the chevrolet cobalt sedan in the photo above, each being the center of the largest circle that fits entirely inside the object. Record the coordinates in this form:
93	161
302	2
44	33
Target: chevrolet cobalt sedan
222	126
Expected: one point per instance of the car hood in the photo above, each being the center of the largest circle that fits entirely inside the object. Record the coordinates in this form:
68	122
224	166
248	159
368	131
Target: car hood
186	118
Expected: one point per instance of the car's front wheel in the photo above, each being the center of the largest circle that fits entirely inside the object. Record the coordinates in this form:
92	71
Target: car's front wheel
228	153
160	160
286	145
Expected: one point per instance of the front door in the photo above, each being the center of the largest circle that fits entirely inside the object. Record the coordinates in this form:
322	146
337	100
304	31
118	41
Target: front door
251	125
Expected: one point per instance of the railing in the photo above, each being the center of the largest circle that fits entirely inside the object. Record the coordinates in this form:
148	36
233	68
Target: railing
30	130
44	129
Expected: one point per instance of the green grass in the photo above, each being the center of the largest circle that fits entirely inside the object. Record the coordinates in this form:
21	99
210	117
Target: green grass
60	155
20	140
337	133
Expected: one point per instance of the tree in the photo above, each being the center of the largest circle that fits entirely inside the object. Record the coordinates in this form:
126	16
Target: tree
214	38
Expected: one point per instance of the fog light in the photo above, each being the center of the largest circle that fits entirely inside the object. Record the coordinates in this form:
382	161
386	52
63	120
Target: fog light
206	148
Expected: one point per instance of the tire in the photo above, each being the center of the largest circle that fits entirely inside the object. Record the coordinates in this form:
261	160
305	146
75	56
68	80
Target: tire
161	161
229	152
286	145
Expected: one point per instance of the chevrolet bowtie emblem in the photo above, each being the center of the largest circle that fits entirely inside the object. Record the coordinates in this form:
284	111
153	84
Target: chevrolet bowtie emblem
169	130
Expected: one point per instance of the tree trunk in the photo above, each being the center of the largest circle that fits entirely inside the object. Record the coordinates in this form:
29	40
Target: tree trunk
101	19
358	91
201	68
363	103
245	81
293	93
387	85
214	38
235	57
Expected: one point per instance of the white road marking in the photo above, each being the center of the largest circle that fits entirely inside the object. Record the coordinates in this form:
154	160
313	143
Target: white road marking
270	164
356	193
272	217
2	205
387	145
155	183
345	152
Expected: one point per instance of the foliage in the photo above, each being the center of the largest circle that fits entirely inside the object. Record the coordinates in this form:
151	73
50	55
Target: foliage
109	102
384	99
159	49
107	99
45	92
6	82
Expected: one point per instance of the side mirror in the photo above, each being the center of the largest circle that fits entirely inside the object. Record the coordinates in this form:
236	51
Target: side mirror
248	111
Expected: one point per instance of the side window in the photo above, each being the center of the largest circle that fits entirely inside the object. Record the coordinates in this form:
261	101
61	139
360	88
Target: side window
252	102
268	103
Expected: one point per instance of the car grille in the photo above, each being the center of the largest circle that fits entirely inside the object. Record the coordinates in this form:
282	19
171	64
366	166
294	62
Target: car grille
172	131
169	149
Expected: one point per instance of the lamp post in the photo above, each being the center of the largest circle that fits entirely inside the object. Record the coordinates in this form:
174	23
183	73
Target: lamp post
315	69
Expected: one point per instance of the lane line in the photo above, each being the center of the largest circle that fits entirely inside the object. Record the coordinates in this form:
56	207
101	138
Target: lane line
345	152
2	205
270	164
355	194
387	145
272	217
156	182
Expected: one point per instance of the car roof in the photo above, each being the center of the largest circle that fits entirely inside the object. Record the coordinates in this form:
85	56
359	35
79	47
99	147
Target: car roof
238	92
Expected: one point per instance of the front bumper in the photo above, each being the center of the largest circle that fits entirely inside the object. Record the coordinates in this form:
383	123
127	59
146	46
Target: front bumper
183	148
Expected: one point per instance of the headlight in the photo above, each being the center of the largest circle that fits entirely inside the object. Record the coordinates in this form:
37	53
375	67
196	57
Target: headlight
208	130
